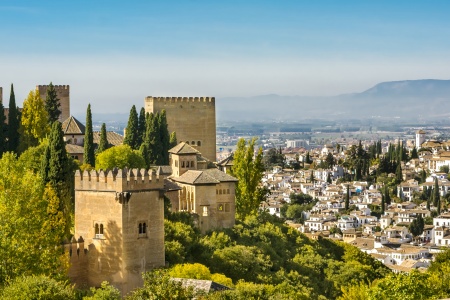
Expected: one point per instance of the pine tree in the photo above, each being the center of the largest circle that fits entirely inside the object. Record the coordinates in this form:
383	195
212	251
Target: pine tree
89	155
52	104
164	137
3	131
13	123
103	144
173	140
141	127
132	133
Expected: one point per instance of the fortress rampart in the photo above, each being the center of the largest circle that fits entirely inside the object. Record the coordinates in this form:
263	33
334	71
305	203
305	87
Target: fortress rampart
118	180
181	99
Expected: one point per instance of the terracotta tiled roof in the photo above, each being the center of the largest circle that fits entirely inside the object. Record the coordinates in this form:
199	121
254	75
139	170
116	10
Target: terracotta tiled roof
113	138
74	149
196	177
183	148
72	126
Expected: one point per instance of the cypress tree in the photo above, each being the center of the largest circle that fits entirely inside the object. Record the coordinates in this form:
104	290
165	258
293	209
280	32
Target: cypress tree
13	123
89	155
155	142
387	197
436	195
347	198
3	131
398	172
164	136
52	104
414	153
57	170
146	150
141	127
103	144
382	204
173	140
131	135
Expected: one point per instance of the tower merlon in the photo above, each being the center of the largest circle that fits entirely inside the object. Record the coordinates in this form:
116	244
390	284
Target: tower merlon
118	180
180	99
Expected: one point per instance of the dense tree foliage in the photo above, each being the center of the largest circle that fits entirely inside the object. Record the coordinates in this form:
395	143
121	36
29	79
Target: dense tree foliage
31	224
248	169
274	157
34	121
89	154
132	133
52	104
3	131
37	288
173	140
103	144
119	156
141	127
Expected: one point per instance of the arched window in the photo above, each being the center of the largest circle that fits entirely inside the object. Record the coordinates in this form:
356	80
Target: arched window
97	230
199	143
101	229
142	227
193	143
220	192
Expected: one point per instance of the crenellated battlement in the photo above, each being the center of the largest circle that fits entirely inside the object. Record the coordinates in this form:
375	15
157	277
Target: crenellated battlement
57	87
181	99
118	180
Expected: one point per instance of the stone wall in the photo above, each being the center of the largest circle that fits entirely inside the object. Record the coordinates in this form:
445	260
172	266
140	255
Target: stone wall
192	118
63	92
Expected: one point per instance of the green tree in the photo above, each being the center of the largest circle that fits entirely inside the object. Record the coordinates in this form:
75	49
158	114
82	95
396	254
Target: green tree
173	140
414	153
34	121
31	225
32	157
13	123
383	204
416	227
52	104
119	156
104	292
141	127
159	285
248	169
436	194
3	131
132	133
164	137
89	154
39	287
57	169
330	161
398	173
347	198
103	144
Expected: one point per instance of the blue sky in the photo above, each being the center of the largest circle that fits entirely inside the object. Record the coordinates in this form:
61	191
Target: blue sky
114	53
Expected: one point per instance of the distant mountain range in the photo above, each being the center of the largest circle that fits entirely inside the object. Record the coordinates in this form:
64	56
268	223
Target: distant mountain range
408	99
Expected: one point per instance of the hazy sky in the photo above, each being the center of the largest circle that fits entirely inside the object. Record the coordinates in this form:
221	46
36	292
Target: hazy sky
114	53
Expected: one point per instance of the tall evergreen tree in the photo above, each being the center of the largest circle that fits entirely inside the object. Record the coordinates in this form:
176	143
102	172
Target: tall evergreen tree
3	131
89	155
173	140
57	170
347	198
414	153
132	133
141	127
436	194
103	144
387	196
398	173
382	204
52	104
13	123
164	137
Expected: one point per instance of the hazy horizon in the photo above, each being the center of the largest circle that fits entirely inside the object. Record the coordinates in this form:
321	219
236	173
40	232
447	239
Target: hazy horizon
113	54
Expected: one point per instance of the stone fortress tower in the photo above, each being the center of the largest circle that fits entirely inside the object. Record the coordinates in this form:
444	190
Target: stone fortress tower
192	118
119	223
63	92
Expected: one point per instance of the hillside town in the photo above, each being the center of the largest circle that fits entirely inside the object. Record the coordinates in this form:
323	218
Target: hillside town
381	217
